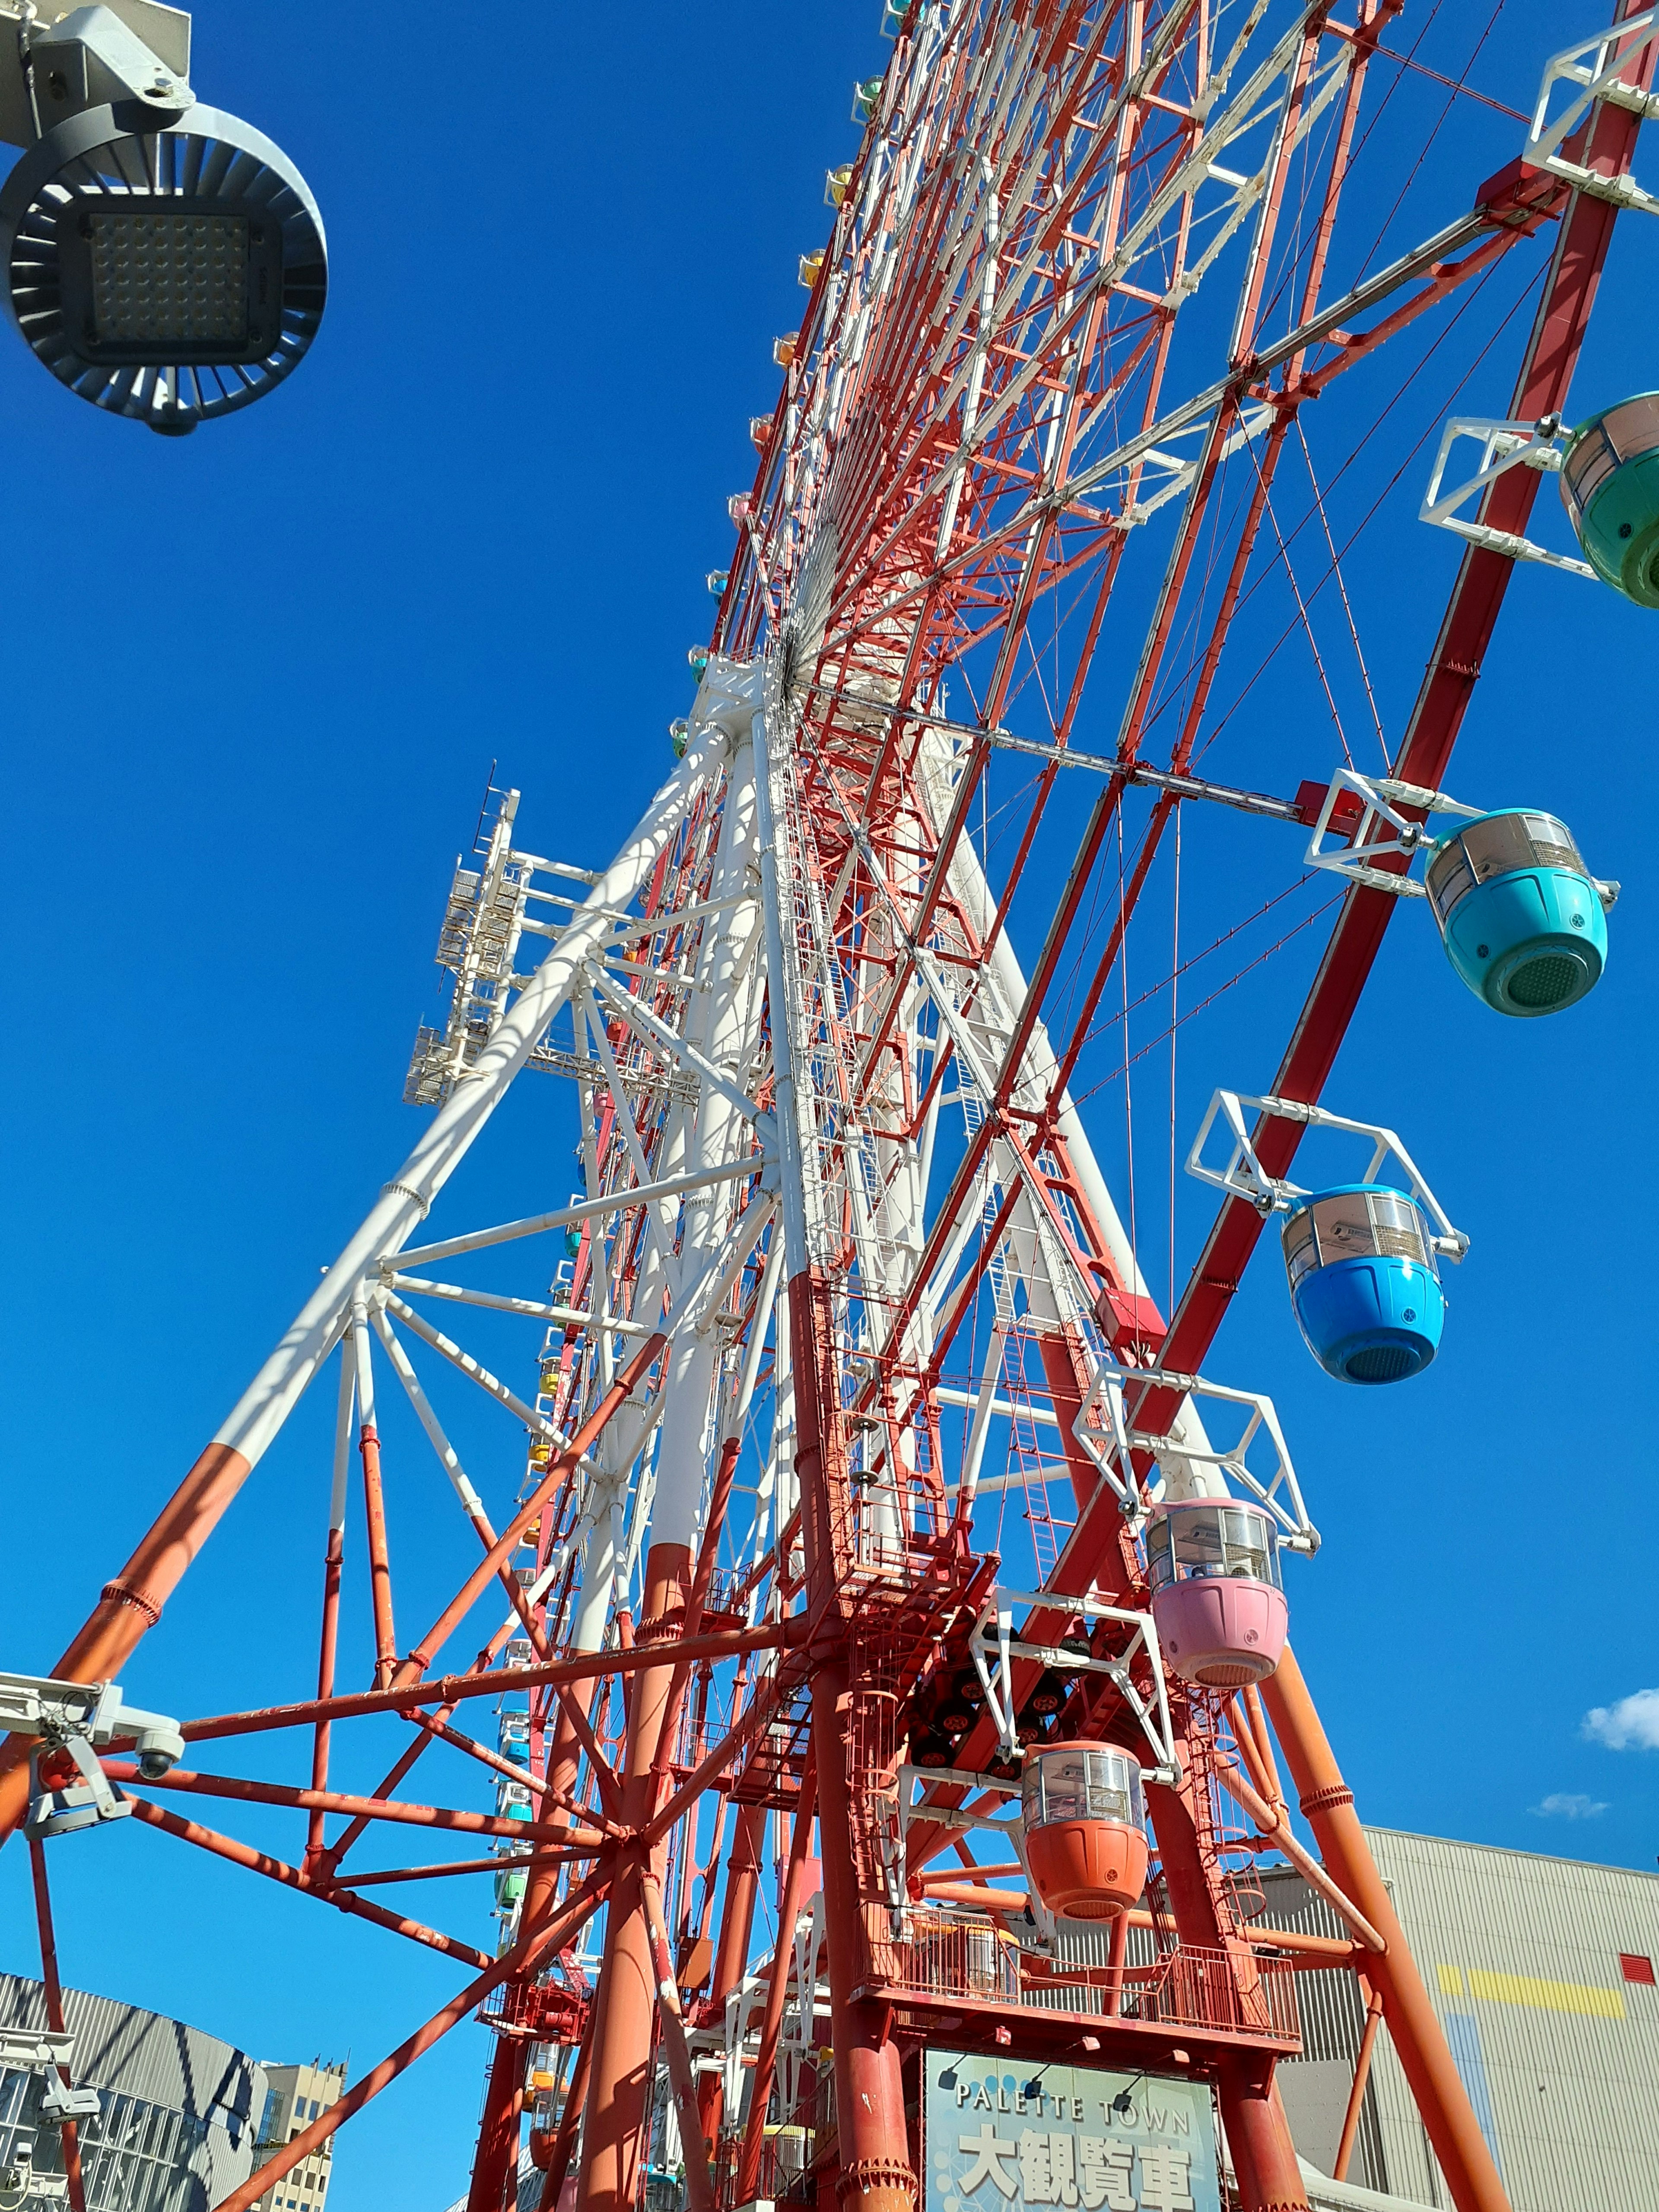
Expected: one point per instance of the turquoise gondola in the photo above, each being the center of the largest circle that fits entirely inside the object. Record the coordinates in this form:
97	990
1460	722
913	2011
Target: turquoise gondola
1364	1282
1610	482
1520	914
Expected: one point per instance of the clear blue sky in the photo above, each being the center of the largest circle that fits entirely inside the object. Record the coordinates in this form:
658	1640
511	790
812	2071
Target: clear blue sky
258	679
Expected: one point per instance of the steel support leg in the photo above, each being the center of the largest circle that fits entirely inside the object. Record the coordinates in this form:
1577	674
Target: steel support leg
1436	2084
742	1868
875	2173
1258	2135
497	2162
760	2082
620	2084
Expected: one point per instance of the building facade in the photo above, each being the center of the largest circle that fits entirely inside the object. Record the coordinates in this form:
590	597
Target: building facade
1544	1972
294	2096
178	2110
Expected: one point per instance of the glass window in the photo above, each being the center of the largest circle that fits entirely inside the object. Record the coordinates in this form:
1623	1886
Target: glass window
1301	1251
1496	847
1160	1552
1082	1785
1633	428
1397	1230
1223	1539
1449	878
1342	1226
1552	845
1356	1224
1586	469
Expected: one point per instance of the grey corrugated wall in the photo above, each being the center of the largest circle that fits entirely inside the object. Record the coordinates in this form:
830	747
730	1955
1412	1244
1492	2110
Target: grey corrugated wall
1560	2054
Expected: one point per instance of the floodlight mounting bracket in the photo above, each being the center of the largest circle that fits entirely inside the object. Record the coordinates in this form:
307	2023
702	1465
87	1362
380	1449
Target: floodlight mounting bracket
81	1719
63	60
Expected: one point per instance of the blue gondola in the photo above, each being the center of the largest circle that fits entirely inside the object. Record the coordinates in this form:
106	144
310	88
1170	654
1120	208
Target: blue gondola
1520	914
1364	1282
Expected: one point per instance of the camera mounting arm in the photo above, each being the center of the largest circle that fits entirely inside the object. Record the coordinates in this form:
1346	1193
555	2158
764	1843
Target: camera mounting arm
79	1719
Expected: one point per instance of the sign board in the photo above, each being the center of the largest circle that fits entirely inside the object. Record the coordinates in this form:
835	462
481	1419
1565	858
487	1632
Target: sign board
1003	2137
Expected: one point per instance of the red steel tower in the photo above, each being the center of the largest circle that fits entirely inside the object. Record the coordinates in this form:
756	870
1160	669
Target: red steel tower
845	1274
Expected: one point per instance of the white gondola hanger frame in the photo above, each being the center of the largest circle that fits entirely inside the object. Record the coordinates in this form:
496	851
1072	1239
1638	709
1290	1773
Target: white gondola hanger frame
995	1671
1244	1176
1381	832
1504	445
1593	71
1103	1429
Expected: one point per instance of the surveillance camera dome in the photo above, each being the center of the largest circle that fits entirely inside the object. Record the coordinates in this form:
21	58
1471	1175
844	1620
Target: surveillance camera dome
153	1764
168	267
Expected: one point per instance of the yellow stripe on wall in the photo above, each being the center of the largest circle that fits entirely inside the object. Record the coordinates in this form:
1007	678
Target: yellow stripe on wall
1451	1981
1540	1996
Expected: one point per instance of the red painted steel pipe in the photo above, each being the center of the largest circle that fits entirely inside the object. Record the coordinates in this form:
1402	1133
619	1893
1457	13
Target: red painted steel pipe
492	1682
876	2171
329	1859
625	2002
1357	2094
762	1707
379	1558
564	2142
332	1800
132	1603
54	1990
328	1647
505	1545
777	1988
671	2019
497	2159
730	1958
244	1855
1328	1804
380	1874
555	1937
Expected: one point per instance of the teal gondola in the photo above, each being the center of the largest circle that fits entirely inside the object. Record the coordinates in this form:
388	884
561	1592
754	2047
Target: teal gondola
1610	482
1521	916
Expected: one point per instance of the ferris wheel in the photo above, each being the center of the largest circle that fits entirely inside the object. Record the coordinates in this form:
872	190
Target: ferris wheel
870	1469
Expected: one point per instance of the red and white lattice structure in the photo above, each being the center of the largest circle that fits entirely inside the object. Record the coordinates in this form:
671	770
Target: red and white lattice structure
846	1266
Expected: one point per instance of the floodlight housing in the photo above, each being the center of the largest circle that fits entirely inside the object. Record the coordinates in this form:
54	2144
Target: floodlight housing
167	265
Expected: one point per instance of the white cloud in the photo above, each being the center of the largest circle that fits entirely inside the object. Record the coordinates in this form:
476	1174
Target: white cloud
1633	1721
1566	1805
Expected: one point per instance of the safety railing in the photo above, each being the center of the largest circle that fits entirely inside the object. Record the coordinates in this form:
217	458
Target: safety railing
788	2155
542	2011
954	1956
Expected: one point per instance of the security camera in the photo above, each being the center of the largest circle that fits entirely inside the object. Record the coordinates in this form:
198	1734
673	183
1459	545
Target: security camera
159	1744
157	1755
156	1738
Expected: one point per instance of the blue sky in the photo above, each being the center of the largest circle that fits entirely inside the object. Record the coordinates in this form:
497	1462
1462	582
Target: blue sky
259	677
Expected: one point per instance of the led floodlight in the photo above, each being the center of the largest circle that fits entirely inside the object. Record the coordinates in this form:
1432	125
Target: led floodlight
163	259
172	274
